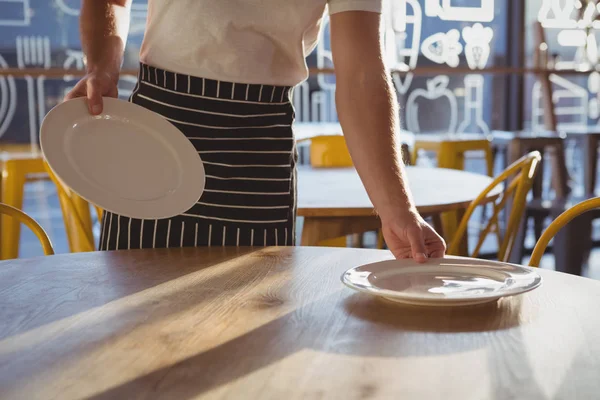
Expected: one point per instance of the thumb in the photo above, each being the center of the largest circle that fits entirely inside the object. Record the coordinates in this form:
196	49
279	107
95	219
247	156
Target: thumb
94	97
417	245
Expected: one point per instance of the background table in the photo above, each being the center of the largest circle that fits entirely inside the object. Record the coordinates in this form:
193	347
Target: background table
588	140
277	323
334	202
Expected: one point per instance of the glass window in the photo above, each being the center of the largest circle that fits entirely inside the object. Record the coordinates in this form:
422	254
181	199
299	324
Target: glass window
469	35
44	34
571	33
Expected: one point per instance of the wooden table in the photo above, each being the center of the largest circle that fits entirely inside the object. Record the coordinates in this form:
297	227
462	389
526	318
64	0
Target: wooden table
334	202
277	323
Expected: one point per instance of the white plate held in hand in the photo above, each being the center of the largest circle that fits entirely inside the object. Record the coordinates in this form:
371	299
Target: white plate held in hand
128	160
450	281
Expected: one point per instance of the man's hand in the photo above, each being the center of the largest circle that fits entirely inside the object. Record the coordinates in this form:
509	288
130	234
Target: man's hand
94	86
411	237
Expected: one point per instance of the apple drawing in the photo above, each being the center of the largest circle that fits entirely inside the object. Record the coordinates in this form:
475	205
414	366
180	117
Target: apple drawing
438	104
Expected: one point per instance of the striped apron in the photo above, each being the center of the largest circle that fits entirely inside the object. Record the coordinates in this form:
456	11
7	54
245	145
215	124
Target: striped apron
244	135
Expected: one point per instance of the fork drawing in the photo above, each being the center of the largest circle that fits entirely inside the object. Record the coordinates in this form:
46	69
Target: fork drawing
34	52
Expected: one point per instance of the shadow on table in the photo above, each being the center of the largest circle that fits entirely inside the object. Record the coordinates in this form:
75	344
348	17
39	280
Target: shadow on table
62	292
494	316
335	324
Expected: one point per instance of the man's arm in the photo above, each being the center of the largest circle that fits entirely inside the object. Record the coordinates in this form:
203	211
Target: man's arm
368	112
104	25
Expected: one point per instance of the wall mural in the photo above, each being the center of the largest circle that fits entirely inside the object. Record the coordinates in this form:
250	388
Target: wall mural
402	38
8	99
448	33
443	48
571	29
403	31
472	43
570	104
437	91
15	13
477	48
480	10
408	42
43	34
594	103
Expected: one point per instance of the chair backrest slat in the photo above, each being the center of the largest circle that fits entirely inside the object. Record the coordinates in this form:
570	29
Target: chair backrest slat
521	175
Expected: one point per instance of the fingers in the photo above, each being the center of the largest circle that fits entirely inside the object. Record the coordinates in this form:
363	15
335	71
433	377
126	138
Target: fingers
436	244
438	254
113	92
399	254
417	245
77	91
94	96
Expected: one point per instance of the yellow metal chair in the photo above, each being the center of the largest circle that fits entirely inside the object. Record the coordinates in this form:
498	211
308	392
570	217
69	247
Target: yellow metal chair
329	151
519	178
76	216
22	218
17	169
450	151
556	225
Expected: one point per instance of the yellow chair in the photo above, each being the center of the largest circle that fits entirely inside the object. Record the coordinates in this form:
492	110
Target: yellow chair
22	218
556	225
17	169
76	216
521	175
329	151
451	150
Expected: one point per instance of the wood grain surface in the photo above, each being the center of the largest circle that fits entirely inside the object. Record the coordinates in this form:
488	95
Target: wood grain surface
227	323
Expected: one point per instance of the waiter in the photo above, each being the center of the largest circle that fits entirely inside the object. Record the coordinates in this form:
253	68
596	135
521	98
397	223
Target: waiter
222	73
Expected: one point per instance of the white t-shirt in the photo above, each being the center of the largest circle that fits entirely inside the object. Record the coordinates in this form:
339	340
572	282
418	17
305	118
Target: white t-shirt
244	41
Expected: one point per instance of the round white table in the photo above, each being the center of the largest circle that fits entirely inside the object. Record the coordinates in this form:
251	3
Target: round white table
334	203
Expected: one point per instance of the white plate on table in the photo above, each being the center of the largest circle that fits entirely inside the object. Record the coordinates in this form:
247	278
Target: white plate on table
450	281
128	160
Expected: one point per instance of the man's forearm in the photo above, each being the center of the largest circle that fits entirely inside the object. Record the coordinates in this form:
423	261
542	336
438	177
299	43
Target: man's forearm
369	117
104	25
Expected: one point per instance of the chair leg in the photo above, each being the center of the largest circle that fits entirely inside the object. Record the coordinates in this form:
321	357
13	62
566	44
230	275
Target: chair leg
572	245
380	240
84	228
517	253
438	225
357	240
13	184
489	161
450	222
